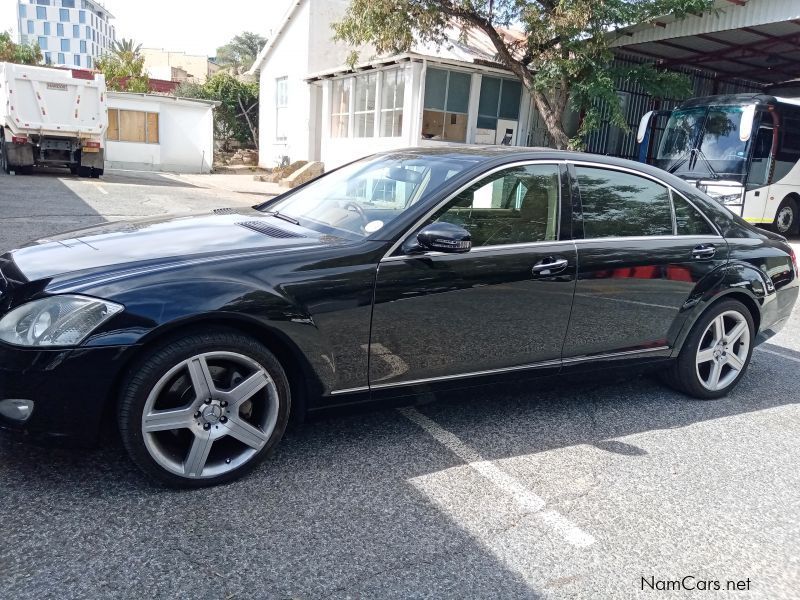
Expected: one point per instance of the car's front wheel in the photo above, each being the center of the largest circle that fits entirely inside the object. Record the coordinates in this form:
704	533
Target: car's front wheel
204	409
716	353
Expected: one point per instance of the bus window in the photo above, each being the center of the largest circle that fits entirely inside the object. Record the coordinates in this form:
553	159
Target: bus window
759	168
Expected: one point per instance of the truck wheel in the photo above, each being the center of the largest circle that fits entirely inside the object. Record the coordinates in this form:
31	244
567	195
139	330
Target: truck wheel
73	169
96	173
24	170
786	217
84	171
3	159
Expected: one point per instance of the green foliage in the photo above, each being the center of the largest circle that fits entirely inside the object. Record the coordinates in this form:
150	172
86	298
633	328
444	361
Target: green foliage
237	116
124	48
124	72
564	57
22	54
241	51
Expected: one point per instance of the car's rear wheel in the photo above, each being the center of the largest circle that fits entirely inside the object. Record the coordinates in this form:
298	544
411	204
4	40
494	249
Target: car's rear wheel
716	353
204	409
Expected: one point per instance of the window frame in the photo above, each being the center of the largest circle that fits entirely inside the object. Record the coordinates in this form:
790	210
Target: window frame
281	107
564	194
147	136
577	206
447	69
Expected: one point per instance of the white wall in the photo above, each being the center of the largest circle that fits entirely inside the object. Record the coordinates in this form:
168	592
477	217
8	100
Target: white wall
186	136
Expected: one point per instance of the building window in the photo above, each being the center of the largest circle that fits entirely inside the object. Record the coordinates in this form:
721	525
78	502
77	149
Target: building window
61	60
340	107
281	108
77	59
48	58
500	99
63	15
46	28
41	13
82	16
68	3
83	46
89	62
392	97
76	31
88	33
446	103
42	42
65	46
364	113
132	126
59	29
30	26
23	11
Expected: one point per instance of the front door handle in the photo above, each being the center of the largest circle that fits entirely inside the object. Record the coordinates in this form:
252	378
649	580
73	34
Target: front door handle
550	266
704	251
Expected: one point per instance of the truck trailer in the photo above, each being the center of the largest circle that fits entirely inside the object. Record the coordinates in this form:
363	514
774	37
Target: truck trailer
50	118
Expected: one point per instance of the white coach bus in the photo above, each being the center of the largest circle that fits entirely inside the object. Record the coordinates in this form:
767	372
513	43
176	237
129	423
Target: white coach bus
742	149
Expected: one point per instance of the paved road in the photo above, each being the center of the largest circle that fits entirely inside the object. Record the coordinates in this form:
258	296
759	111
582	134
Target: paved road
573	492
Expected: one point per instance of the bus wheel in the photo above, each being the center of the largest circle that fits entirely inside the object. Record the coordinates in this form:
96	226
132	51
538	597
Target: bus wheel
786	218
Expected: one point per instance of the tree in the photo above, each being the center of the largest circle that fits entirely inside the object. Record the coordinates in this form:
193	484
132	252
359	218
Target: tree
124	73
126	47
237	116
22	54
241	52
565	56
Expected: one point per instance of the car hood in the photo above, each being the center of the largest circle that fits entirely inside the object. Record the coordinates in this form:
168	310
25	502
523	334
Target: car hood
165	239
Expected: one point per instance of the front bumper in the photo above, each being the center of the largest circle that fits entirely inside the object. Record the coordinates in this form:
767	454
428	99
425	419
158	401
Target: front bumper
70	388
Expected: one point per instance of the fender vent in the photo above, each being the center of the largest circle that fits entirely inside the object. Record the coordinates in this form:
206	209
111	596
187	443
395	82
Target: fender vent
269	230
224	211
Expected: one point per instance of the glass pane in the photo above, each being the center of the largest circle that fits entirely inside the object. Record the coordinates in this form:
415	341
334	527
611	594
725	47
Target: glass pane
435	88
341	96
490	98
690	222
389	92
618	204
455	127
510	99
432	124
365	92
458	92
340	125
516	206
487	123
364	124
391	123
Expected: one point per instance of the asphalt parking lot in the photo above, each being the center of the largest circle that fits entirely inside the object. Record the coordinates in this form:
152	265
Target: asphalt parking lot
588	490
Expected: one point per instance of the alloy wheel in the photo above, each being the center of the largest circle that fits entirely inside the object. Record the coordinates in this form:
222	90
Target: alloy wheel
723	350
784	220
210	414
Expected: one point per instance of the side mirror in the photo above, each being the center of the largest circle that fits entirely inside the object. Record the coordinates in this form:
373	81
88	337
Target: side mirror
443	237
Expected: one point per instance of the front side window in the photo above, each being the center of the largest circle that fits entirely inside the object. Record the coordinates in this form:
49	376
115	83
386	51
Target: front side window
281	108
618	204
446	103
361	198
392	98
515	206
364	110
340	107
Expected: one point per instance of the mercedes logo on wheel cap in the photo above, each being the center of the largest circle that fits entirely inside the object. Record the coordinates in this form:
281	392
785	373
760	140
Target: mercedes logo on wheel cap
212	414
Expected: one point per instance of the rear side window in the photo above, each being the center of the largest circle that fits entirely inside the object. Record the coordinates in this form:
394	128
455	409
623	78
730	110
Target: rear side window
617	204
689	219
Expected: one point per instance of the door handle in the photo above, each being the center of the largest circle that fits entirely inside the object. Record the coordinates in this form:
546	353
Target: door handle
550	266
704	251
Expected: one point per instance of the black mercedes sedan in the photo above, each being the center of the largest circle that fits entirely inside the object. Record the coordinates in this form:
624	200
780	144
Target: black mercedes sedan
404	272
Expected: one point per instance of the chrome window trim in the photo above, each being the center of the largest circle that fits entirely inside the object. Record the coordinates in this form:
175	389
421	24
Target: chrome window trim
530	366
430	213
478	250
642	238
652	178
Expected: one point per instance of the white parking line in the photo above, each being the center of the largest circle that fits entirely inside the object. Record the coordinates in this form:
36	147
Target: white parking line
524	498
786	356
102	190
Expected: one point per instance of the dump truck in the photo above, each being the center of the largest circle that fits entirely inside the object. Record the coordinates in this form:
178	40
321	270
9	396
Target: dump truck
50	118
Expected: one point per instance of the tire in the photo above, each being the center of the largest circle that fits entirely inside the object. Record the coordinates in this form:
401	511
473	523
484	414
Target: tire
84	171
786	218
25	170
73	169
4	167
96	173
208	445
691	373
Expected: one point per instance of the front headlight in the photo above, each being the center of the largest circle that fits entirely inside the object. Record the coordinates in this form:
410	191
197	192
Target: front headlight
55	321
730	199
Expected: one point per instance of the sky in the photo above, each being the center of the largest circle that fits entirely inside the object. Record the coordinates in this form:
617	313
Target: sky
192	26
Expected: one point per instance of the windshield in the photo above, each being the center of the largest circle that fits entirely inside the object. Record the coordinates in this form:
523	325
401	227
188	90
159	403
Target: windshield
704	142
360	199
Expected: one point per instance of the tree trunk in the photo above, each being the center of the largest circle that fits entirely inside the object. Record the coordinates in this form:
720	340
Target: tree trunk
552	118
245	112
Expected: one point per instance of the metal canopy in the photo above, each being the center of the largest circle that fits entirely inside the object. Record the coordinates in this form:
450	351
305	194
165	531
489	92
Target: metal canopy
764	54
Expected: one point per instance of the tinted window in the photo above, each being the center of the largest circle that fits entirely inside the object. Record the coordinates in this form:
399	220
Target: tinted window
688	219
515	206
617	204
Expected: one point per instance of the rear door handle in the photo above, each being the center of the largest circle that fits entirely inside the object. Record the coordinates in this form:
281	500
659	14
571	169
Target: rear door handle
704	251
550	266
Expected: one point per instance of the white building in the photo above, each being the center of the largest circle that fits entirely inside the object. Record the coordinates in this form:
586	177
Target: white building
73	33
314	107
159	133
